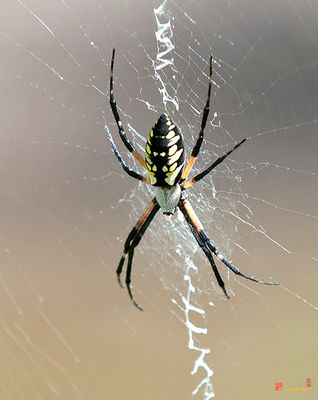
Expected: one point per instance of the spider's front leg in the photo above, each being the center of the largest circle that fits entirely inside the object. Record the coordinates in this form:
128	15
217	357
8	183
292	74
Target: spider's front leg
112	101
197	146
132	242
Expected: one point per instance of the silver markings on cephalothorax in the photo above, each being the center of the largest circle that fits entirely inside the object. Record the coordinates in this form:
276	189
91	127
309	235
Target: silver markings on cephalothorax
168	198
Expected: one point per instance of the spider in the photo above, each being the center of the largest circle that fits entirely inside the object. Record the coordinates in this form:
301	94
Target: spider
167	172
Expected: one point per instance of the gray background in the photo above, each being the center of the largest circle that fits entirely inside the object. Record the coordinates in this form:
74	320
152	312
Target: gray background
67	331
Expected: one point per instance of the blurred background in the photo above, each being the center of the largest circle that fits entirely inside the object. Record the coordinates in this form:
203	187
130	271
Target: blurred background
67	330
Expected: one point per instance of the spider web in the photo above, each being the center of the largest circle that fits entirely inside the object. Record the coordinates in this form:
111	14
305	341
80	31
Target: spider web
67	330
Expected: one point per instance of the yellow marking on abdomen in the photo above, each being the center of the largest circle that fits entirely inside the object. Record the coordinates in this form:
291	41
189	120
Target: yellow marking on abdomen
173	140
170	135
173	167
171	176
175	157
172	150
148	160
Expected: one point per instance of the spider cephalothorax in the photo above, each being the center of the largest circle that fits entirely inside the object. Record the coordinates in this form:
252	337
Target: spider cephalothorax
164	161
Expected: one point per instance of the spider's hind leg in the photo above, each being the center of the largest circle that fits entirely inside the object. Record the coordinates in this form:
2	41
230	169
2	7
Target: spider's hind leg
132	242
230	265
208	248
196	229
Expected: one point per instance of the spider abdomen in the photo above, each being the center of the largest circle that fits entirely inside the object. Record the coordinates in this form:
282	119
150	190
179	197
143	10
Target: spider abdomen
164	153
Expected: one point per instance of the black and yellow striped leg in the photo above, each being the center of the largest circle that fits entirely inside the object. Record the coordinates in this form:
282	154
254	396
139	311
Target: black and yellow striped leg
119	157
208	248
202	174
198	144
114	108
132	242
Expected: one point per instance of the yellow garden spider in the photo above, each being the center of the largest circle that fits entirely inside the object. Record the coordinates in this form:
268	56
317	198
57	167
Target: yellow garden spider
164	161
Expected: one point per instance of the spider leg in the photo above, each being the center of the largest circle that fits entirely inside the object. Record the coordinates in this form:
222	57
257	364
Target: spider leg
199	141
130	147
208	248
230	265
202	174
122	161
132	242
196	229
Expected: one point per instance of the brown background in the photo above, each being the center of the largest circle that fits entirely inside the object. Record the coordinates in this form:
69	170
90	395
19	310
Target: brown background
67	331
